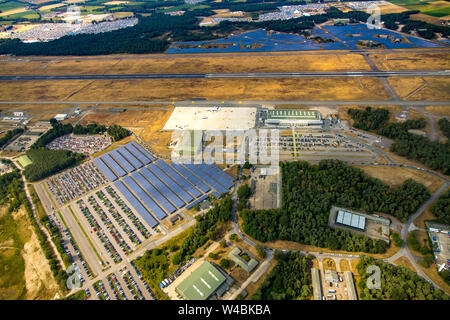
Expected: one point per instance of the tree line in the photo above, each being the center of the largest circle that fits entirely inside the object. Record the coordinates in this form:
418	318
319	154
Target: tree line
433	154
289	280
441	208
308	193
9	136
397	283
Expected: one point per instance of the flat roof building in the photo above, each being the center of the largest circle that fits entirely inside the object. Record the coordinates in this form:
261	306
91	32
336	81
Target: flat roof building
331	276
201	283
293	117
317	288
61	116
351	290
241	262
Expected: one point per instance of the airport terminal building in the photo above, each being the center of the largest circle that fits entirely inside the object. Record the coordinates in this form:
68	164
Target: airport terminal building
293	118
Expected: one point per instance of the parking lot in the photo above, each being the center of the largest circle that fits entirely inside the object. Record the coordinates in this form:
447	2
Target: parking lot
86	144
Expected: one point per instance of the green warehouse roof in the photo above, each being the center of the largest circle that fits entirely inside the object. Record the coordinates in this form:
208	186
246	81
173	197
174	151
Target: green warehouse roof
295	114
201	283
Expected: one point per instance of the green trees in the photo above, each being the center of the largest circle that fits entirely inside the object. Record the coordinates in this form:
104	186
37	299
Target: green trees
47	162
309	191
226	263
397	283
288	280
444	125
243	194
441	208
433	154
10	134
117	132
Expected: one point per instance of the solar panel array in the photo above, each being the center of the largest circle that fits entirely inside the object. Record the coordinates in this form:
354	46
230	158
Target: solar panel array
155	194
106	171
113	165
155	188
350	219
186	197
169	194
179	179
121	160
196	181
145	198
130	157
148	218
202	175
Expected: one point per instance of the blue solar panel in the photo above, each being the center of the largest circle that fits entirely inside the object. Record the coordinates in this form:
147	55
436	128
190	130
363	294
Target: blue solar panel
189	176
113	165
143	212
134	151
215	194
106	171
145	152
172	185
191	205
213	173
153	192
221	172
169	194
131	159
145	198
122	161
213	183
178	178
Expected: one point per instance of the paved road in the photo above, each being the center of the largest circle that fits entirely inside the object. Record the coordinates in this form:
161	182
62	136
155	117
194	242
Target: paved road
378	74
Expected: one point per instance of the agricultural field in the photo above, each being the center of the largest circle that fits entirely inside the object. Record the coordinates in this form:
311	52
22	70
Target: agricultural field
435	8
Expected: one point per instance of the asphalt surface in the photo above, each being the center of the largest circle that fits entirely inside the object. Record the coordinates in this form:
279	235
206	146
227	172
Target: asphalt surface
378	74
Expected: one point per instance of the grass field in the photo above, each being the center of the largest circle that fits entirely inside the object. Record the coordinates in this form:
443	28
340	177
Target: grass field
394	176
207	64
421	88
182	89
412	61
439	110
24	161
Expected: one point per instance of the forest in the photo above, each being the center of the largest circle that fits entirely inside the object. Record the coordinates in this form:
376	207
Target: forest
48	162
433	154
397	283
289	280
444	125
308	193
9	136
441	208
117	132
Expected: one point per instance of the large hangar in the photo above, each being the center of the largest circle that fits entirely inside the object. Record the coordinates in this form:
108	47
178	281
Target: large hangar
293	118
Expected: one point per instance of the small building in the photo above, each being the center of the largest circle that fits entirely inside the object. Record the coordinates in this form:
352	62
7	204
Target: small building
350	285
61	116
341	22
173	219
331	276
202	283
18	114
241	262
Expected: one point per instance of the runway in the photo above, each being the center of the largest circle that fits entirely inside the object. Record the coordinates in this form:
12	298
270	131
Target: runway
377	74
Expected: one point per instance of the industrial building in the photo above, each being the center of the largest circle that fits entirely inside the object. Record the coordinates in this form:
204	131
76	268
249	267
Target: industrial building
331	276
61	116
202	283
246	265
350	285
316	284
293	118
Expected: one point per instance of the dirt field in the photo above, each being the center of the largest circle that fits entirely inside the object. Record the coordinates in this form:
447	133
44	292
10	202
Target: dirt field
181	89
344	265
147	124
412	61
392	8
177	64
394	176
404	262
439	110
421	88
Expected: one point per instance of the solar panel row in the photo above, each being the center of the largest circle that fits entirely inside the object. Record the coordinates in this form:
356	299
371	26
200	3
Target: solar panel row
143	212
142	150
191	205
145	198
172	185
162	188
178	178
221	172
133	150
192	178
131	159
121	160
213	183
106	171
215	194
213	173
153	192
113	165
350	219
